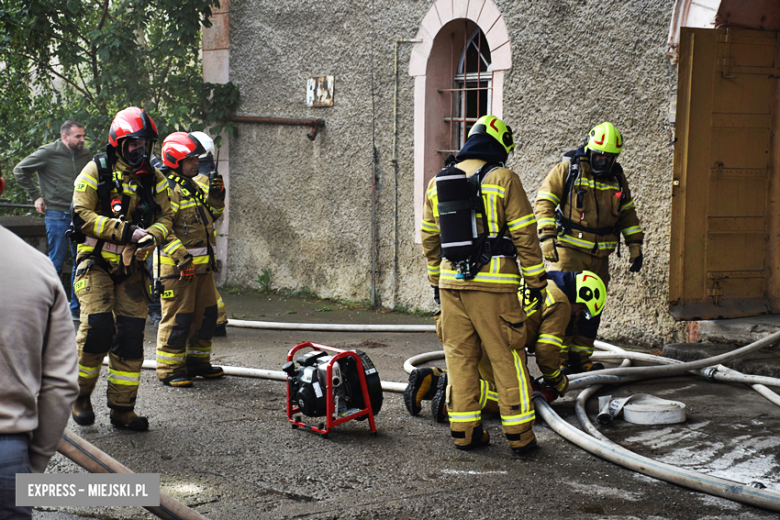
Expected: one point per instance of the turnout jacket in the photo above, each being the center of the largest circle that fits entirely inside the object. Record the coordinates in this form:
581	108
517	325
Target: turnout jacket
580	334
605	208
193	223
505	201
115	230
548	324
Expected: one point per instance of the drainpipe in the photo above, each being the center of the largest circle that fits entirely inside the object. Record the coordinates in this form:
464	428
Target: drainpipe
394	162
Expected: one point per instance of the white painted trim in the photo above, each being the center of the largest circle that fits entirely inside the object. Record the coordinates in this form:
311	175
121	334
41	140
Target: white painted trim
689	13
419	158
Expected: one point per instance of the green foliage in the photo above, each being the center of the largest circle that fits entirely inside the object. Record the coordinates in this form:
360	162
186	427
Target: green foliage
88	59
264	281
350	305
231	289
323	309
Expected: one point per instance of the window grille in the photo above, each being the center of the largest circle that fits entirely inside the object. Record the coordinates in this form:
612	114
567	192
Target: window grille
471	94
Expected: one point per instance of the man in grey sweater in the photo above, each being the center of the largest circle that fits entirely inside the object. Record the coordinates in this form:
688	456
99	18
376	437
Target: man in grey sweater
38	365
57	164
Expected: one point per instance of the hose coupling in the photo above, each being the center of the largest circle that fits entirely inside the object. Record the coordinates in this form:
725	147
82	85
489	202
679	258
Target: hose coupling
709	373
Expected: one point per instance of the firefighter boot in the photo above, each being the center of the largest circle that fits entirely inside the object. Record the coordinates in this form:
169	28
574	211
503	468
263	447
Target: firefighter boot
573	368
479	438
82	411
439	401
180	380
128	420
421	387
206	371
220	331
525	450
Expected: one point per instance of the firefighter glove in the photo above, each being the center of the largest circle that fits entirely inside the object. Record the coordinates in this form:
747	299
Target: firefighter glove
217	187
138	234
146	241
186	269
549	250
436	296
635	257
536	297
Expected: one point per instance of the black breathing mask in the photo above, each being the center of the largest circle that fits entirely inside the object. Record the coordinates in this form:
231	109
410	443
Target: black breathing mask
601	163
137	158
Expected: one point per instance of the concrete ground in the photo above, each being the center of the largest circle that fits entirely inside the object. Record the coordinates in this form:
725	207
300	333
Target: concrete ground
226	449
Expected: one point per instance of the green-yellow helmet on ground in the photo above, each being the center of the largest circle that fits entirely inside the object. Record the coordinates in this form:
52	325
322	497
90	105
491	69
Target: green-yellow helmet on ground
591	292
604	138
495	128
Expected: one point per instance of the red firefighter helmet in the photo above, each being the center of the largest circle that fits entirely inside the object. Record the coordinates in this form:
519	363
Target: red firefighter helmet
178	146
132	122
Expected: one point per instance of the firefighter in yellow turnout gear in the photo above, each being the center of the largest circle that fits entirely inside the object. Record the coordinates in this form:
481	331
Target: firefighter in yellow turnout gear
573	304
121	207
207	166
187	261
582	208
480	309
572	300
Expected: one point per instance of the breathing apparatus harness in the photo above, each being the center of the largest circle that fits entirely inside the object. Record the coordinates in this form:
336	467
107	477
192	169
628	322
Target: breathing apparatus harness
460	200
192	189
141	217
566	225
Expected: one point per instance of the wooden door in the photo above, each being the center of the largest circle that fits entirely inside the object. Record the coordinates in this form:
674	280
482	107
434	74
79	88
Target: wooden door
722	251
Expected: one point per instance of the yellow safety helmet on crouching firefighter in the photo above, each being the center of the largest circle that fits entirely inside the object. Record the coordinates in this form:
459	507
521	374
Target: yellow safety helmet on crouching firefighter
591	292
495	128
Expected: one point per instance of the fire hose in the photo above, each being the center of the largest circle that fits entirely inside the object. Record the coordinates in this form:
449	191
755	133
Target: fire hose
591	440
95	461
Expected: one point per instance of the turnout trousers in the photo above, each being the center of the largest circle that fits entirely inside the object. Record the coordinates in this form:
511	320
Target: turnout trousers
113	317
221	312
473	321
189	315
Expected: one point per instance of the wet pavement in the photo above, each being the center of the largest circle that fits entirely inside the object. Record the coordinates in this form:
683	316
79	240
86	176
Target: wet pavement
226	449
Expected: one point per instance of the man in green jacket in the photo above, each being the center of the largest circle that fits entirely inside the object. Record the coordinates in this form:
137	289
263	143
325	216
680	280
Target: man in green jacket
57	164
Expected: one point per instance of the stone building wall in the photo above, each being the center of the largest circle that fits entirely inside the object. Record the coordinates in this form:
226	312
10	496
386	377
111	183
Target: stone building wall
303	208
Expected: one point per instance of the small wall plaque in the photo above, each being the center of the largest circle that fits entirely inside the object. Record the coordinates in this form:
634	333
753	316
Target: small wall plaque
319	92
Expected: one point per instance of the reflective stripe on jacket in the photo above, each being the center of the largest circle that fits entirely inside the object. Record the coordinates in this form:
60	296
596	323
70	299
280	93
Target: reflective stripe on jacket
88	209
547	326
190	235
602	207
505	201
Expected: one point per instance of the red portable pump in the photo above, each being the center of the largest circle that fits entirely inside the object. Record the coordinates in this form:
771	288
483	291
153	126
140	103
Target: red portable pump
341	386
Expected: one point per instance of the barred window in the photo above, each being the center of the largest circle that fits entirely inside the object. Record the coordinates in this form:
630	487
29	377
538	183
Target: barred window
471	94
